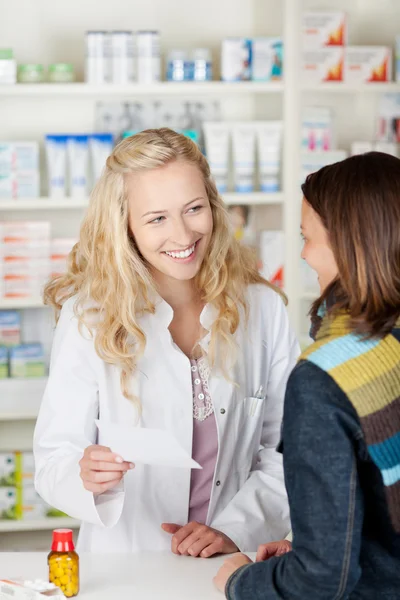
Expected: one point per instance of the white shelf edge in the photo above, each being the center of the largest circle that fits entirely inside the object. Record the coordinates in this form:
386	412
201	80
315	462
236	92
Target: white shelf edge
253	198
311	296
20	303
47	523
43	203
137	89
346	88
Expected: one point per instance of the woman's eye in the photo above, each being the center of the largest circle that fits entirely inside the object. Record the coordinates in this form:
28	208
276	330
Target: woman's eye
195	208
157	220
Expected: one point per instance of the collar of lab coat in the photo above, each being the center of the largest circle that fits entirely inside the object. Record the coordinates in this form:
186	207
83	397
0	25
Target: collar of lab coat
164	314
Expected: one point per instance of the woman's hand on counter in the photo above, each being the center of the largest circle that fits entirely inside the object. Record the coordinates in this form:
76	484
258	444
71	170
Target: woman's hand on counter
229	567
266	551
102	469
196	539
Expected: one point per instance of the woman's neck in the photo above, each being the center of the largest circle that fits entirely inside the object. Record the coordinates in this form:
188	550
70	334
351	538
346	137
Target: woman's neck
178	294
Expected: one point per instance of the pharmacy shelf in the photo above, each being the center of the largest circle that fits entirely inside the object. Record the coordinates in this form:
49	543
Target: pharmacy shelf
310	296
253	199
340	87
164	88
19	303
44	203
39	524
20	398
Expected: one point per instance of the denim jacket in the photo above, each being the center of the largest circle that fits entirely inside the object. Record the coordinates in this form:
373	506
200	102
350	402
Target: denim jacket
344	546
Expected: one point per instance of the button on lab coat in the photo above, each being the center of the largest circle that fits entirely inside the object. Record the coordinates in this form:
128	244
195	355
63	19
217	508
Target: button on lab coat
248	500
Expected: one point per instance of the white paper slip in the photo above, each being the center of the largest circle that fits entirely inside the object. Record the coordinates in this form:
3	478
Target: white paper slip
146	446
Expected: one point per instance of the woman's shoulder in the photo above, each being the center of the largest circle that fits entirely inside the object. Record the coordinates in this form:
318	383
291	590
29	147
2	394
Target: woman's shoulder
263	297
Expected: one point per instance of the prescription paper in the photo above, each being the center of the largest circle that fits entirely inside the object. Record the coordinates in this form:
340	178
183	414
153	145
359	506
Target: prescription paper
146	446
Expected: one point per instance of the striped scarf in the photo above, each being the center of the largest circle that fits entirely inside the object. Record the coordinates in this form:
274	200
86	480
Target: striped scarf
368	372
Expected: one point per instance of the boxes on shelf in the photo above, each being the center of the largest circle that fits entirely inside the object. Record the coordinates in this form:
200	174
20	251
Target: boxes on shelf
9	503
317	129
8	66
24	258
27	360
60	250
24	231
397	57
324	28
3	362
272	256
8	469
313	161
267	59
236	59
322	65
19	170
10	328
366	64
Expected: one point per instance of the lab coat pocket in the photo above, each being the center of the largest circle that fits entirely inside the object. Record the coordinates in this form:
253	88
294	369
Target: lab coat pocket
249	432
253	406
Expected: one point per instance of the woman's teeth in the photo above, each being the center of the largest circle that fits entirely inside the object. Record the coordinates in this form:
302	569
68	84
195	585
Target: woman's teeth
182	253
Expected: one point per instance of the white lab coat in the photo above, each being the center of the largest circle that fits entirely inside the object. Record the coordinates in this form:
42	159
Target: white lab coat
248	500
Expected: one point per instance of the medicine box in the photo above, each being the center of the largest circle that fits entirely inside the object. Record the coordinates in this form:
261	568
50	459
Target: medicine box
27	360
8	469
272	256
313	161
21	231
10	328
267	59
322	28
28	590
3	362
325	64
364	64
8	503
236	59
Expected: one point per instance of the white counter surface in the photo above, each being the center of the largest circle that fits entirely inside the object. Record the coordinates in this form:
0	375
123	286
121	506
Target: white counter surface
148	576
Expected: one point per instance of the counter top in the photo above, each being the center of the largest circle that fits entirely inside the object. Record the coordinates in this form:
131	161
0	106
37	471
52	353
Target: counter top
147	576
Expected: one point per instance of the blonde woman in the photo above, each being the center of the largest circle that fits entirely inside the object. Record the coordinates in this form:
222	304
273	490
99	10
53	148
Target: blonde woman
165	323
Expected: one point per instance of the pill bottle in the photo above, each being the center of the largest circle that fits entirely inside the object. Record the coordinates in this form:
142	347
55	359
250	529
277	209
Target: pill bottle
63	563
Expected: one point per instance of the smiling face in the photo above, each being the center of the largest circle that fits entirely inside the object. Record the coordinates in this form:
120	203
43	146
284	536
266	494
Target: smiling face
317	251
170	218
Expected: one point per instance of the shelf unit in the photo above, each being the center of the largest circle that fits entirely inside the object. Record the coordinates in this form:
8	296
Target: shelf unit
48	523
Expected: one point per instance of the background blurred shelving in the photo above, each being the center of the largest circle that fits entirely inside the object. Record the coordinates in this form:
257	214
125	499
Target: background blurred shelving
47	35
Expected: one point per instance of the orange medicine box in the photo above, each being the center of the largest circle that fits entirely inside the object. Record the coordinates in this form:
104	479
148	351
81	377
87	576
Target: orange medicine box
363	64
325	64
324	28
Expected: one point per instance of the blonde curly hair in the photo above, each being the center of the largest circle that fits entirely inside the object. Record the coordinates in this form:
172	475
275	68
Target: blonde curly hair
110	279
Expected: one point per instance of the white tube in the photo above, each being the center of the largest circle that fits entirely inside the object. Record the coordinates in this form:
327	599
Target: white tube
78	152
56	152
243	138
100	146
269	146
217	151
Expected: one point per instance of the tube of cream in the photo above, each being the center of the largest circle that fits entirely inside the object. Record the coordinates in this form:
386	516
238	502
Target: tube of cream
56	153
100	146
217	151
78	153
269	146
243	138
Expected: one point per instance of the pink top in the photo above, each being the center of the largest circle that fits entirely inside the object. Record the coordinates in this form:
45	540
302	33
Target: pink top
205	443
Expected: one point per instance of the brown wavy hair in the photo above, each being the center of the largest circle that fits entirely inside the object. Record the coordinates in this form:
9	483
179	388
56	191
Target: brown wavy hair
358	202
109	277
